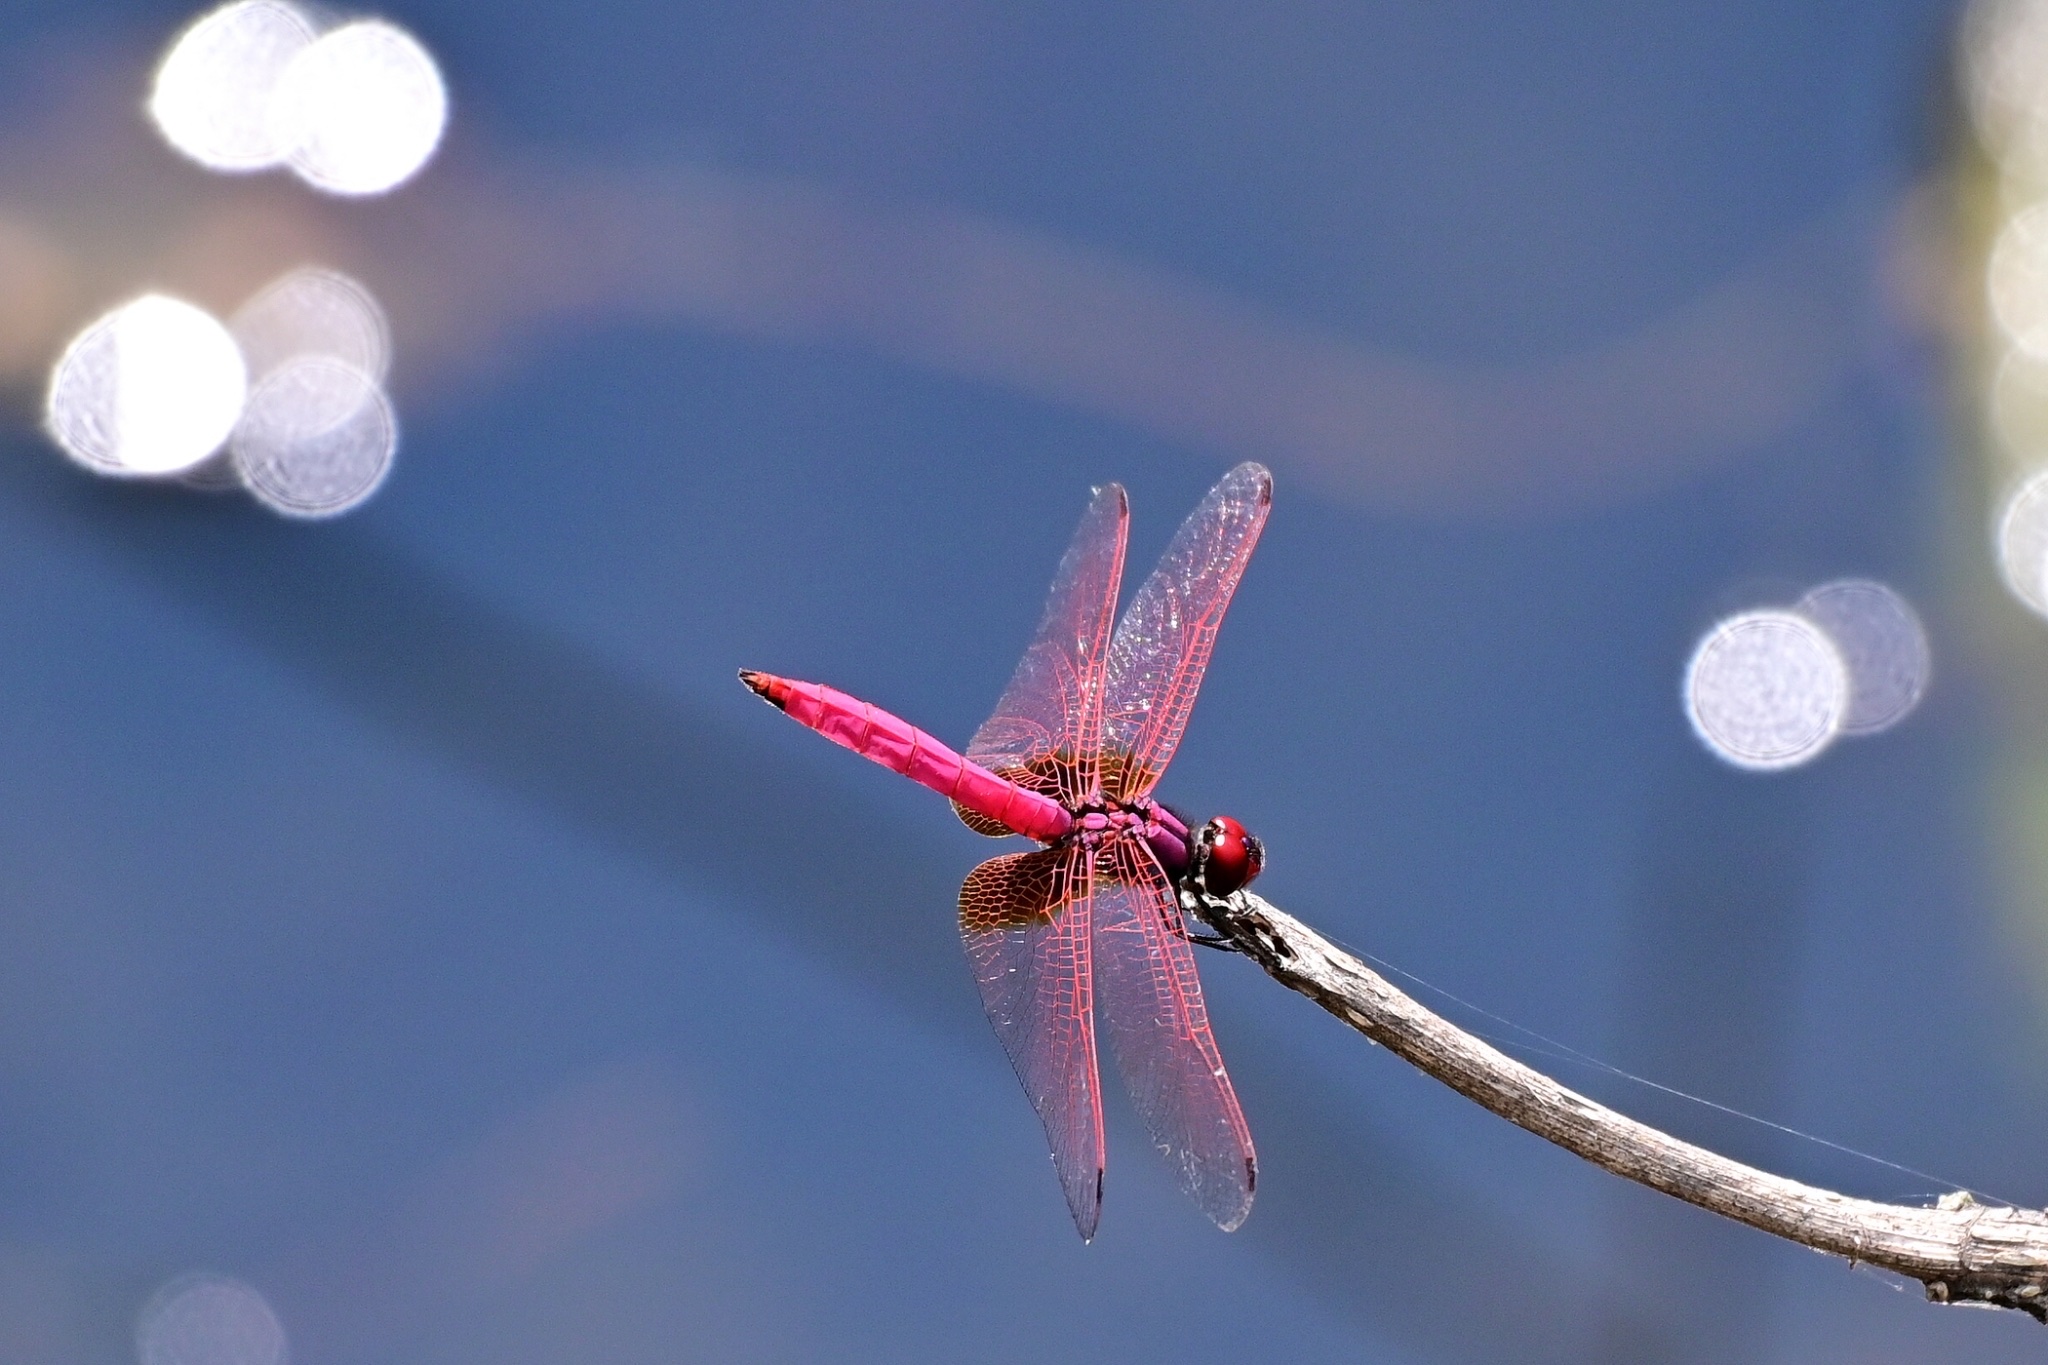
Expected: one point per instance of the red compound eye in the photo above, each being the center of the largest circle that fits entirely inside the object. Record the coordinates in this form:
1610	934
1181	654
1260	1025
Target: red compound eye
1230	857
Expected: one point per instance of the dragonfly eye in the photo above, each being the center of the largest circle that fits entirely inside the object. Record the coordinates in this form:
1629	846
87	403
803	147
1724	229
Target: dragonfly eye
1228	857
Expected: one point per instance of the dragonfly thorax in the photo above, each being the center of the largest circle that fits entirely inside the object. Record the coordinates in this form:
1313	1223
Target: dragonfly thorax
1163	831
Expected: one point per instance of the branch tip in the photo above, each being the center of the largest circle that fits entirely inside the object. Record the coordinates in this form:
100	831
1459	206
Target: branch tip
1964	1252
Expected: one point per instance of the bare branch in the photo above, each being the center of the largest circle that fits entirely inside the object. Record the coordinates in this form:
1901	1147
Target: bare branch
1962	1251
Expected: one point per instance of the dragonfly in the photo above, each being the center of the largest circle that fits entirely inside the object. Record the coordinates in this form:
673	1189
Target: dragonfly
1087	930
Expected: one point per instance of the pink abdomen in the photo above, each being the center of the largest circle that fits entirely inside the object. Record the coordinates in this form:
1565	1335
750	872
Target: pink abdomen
898	745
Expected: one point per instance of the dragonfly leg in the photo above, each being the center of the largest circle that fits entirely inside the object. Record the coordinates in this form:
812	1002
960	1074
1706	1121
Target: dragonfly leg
1176	920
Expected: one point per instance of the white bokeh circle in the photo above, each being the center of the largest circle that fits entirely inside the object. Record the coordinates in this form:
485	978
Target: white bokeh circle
149	389
2021	538
1766	690
361	109
317	439
2004	50
313	311
204	1319
1883	644
213	93
2016	280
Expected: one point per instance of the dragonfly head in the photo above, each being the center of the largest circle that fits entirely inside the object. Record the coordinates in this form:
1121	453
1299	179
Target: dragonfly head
1227	857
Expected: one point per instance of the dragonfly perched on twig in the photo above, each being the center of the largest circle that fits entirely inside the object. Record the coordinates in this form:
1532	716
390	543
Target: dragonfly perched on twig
1091	924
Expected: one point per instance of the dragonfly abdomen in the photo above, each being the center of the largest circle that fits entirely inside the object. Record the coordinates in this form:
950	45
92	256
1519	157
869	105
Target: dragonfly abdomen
901	747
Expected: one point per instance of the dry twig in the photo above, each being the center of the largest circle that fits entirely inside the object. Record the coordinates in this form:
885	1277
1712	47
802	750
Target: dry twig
1960	1250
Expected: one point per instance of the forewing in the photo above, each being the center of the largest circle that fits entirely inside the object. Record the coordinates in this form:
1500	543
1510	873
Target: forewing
1152	1010
1161	647
1025	920
1046	732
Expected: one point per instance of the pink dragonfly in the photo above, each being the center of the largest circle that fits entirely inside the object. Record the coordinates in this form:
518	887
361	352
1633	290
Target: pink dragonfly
1092	920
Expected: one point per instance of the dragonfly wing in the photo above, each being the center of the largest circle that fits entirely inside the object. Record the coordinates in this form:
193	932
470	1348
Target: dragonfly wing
1161	647
1046	733
1159	1030
1025	920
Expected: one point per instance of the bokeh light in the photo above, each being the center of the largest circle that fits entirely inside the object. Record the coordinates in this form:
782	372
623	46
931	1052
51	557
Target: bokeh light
1882	644
313	311
151	388
2004	52
317	439
2017	280
214	90
2005	81
1766	690
2022	540
356	110
361	108
203	1319
2019	406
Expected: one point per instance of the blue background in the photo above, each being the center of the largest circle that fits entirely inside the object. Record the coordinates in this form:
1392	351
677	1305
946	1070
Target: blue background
410	915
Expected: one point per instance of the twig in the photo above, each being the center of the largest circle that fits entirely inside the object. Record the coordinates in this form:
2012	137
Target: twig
1960	1250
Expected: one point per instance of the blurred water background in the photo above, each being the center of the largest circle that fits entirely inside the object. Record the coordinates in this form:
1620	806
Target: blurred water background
414	945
